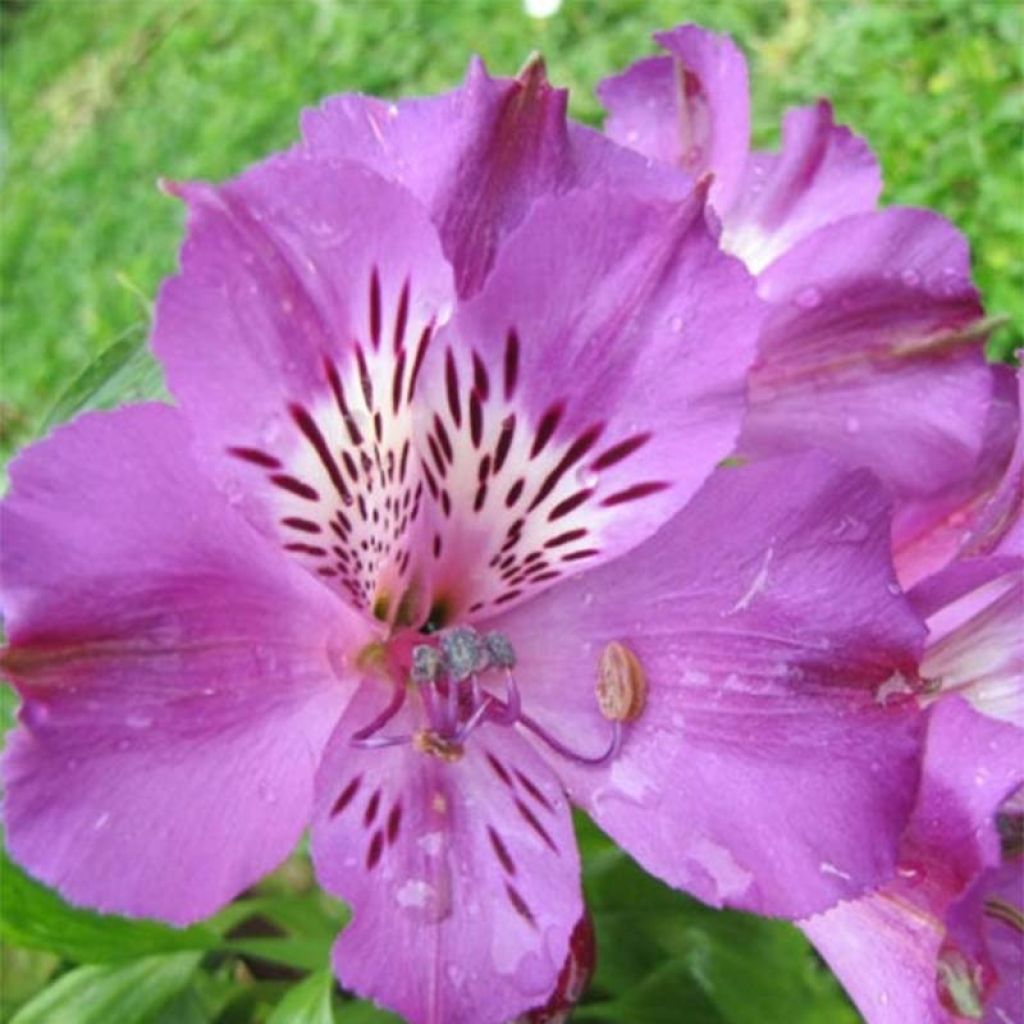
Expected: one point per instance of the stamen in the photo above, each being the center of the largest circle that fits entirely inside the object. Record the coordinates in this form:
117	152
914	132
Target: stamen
362	736
463	651
621	684
560	748
512	705
474	719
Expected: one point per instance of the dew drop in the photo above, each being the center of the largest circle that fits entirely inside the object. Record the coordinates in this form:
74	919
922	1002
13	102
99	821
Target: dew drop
852	425
675	323
102	821
911	278
586	477
808	298
270	431
138	721
35	715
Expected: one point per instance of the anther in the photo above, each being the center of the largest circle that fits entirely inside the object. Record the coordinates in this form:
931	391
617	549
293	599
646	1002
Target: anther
464	652
621	684
499	650
428	742
427	664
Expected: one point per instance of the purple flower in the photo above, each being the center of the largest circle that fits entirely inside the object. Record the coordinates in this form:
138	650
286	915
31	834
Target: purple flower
420	558
943	940
874	332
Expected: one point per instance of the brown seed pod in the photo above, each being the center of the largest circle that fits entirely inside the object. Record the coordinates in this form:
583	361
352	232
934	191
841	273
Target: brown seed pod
621	684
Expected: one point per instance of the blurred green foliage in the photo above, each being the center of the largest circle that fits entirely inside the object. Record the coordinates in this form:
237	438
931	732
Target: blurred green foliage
102	97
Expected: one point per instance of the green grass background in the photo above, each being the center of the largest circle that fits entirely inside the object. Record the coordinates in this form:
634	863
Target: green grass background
100	97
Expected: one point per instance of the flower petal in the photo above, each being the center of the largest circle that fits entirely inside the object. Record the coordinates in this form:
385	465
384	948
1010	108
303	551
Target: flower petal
584	394
176	673
974	612
477	157
978	514
824	172
768	770
869	340
307	299
463	875
886	947
691	108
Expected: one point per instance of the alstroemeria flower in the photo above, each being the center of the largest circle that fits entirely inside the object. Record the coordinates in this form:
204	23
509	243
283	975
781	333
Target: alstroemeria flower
944	940
418	563
873	349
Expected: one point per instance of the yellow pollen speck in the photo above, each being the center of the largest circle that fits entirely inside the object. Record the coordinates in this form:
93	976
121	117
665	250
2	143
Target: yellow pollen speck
621	684
427	742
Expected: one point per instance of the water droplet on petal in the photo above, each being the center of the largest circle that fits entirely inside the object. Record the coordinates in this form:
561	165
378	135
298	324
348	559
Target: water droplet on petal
852	425
675	323
102	821
271	430
808	298
911	278
138	721
35	715
586	477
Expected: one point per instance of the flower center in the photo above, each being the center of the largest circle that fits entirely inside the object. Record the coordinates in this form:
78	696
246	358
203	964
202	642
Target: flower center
462	679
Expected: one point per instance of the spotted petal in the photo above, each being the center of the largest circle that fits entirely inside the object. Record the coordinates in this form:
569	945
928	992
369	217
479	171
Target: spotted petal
178	675
463	875
768	771
292	337
584	395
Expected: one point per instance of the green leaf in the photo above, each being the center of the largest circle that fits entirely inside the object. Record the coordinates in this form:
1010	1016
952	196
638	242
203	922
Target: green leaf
35	917
666	996
102	994
730	967
301	953
125	371
309	1002
360	1012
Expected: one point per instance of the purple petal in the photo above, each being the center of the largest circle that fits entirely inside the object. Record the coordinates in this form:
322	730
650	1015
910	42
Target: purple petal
823	173
292	337
977	514
975	648
477	157
691	109
176	674
769	770
886	948
463	874
584	394
865	344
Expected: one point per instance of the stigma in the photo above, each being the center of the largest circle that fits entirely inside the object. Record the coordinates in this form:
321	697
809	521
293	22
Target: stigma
462	680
